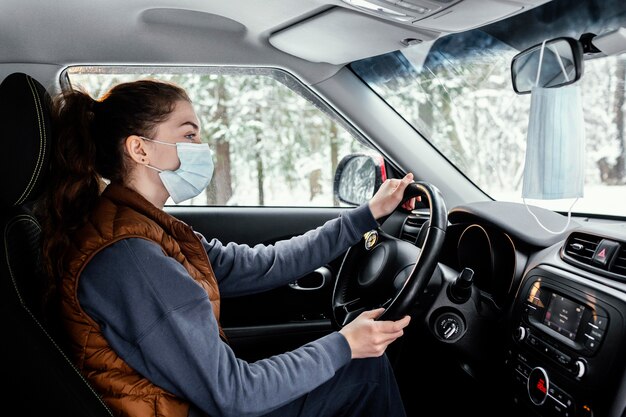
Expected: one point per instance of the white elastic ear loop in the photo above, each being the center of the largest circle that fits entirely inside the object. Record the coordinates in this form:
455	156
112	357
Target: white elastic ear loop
560	63
569	218
543	48
154	168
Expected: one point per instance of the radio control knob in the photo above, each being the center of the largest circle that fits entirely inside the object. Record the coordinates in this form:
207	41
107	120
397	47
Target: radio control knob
520	333
580	368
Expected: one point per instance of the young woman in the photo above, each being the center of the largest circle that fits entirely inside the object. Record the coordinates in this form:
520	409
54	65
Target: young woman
139	290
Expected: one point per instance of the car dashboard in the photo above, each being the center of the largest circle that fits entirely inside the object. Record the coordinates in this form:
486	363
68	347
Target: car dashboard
544	326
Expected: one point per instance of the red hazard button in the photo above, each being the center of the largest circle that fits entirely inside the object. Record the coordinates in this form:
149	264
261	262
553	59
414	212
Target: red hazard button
604	252
538	385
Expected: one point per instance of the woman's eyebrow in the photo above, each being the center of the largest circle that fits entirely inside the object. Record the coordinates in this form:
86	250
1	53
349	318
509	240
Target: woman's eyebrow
192	124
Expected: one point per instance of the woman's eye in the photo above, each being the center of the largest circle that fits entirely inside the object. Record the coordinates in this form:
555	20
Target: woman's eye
191	136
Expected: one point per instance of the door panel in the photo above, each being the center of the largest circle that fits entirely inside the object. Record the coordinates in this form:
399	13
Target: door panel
252	225
282	319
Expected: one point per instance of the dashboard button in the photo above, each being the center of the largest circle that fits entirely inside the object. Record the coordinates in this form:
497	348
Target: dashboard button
596	334
598	322
531	310
591	343
522	358
554	406
561	357
523	369
538	385
557	408
528	308
562	397
533	341
519	379
604	252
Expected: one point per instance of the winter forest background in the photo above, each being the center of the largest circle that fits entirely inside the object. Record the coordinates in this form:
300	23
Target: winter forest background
273	147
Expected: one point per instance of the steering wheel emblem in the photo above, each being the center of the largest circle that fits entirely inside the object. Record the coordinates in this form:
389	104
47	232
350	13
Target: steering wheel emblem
371	238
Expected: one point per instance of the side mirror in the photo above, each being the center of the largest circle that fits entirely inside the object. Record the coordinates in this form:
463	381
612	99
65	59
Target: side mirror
561	64
358	177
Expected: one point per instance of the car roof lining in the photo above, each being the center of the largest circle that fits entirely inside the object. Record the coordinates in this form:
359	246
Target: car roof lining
192	32
121	32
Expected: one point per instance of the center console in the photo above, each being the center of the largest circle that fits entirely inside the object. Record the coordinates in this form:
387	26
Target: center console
564	346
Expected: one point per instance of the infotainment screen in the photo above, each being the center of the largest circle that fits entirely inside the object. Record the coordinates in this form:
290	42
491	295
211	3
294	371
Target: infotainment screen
563	315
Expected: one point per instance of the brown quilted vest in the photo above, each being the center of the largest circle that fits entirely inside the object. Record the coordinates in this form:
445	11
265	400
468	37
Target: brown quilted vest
122	213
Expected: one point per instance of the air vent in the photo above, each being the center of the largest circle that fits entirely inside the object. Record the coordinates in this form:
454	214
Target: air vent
582	246
619	263
412	226
603	255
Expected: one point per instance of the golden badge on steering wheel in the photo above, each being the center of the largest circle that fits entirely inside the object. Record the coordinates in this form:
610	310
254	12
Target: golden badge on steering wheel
371	238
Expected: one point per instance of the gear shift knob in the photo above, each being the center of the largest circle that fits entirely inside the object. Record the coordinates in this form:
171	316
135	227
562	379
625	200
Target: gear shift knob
461	289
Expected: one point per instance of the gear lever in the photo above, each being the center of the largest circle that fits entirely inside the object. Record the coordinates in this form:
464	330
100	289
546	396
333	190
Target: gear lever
461	289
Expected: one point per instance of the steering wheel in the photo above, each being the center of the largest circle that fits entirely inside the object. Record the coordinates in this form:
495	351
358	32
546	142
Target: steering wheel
384	271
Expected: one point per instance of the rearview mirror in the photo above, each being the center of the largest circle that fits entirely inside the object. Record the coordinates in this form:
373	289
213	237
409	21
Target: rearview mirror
561	64
357	178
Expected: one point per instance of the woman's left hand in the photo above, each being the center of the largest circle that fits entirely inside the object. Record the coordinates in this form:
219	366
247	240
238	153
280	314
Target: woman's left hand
389	195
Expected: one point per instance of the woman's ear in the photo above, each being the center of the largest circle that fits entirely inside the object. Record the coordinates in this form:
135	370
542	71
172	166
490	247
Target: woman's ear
135	148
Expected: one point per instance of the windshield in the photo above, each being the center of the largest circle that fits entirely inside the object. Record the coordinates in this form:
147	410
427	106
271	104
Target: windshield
457	93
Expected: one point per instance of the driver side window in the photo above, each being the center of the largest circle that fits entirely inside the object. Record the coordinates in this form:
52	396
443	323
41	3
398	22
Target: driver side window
271	146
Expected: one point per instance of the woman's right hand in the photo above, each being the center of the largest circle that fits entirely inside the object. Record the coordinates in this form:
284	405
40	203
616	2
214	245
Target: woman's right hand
369	338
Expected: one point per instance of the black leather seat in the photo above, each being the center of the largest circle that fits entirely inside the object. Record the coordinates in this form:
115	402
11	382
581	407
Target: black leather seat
41	379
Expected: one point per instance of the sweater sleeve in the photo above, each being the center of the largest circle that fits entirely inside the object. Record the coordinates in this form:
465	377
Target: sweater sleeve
241	269
160	321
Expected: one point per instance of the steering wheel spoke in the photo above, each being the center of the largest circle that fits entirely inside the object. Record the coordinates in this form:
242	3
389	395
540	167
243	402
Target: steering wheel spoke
348	311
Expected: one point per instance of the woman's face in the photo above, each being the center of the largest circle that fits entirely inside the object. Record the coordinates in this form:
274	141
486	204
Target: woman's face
181	126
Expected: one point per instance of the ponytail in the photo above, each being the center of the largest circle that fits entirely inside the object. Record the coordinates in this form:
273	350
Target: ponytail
74	184
89	148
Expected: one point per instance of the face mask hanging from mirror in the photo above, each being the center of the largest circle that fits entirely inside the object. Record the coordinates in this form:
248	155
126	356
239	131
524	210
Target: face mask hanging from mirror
555	150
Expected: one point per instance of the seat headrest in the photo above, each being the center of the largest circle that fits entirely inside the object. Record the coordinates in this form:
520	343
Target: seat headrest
26	122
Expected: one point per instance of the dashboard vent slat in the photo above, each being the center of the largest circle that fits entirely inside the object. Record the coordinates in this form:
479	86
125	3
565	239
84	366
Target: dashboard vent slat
619	264
411	227
582	246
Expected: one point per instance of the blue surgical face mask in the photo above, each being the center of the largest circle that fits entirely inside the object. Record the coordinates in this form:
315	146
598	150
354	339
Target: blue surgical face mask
194	173
555	150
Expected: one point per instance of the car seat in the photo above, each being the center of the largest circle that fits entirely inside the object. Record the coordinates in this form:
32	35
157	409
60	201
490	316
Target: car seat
41	379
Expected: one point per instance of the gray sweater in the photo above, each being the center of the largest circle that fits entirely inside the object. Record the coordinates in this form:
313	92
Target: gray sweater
160	321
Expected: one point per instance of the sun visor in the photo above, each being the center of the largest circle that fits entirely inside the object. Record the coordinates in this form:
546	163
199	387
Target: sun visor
339	35
470	14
